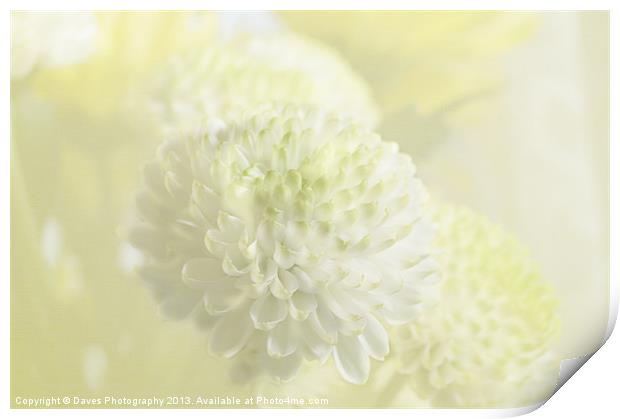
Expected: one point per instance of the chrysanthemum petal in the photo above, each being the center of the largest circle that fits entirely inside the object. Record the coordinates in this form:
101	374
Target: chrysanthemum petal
302	304
375	338
268	311
281	340
351	359
324	324
198	272
231	333
283	368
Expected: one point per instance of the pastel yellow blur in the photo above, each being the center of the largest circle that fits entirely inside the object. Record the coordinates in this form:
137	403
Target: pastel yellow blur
523	144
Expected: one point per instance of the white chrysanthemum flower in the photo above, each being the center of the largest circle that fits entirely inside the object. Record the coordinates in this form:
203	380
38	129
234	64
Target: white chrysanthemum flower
50	39
488	342
244	73
289	231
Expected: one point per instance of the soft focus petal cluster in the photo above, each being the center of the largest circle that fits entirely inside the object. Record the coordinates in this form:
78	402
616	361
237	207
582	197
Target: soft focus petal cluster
248	71
44	39
291	233
488	342
129	49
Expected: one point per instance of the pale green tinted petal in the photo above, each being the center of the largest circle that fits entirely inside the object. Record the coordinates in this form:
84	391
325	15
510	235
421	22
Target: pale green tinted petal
231	333
267	312
351	360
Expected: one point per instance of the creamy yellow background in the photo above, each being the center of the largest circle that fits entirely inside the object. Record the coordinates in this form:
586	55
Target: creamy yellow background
516	128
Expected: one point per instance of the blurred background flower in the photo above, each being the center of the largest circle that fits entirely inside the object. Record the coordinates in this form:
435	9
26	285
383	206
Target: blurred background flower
489	341
428	69
504	112
129	47
50	40
250	70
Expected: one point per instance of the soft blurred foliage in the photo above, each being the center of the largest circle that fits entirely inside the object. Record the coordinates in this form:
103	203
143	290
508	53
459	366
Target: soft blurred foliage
428	69
452	87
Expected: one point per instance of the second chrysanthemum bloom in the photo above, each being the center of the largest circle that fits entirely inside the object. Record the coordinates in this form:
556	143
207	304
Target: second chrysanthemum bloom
291	232
490	342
